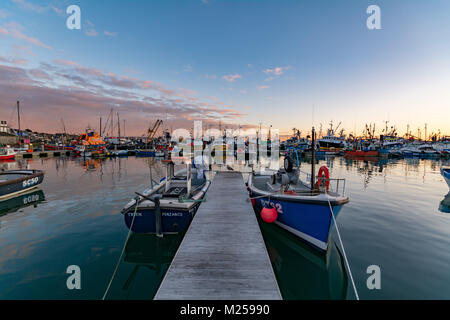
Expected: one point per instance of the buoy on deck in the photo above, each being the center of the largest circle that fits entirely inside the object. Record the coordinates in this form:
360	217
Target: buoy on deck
269	215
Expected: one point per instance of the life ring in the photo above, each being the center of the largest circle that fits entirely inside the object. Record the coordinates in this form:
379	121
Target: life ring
324	171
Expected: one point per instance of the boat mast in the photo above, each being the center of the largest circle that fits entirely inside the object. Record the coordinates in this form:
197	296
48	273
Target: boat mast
18	120
313	156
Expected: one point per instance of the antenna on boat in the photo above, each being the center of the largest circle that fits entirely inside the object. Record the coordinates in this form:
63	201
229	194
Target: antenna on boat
313	156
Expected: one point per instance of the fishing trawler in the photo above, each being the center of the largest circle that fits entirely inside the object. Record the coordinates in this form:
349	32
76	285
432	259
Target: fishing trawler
169	206
298	202
331	142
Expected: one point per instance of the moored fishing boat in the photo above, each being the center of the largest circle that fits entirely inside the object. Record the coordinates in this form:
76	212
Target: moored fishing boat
169	206
17	181
445	171
145	153
362	153
7	153
300	205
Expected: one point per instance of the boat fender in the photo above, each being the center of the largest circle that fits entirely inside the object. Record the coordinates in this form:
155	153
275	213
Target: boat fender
324	171
288	164
269	215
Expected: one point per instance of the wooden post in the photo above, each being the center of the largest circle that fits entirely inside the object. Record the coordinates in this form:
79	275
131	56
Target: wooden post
188	179
158	218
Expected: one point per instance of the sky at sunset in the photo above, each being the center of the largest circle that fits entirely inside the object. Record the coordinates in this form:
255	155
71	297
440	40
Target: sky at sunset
281	63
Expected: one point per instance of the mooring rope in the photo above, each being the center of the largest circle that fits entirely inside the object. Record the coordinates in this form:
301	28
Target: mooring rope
343	251
123	250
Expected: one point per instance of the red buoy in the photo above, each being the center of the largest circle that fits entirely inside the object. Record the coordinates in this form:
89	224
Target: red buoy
269	215
253	202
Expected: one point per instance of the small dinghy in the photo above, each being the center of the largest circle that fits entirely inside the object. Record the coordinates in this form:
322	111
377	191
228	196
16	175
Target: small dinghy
298	205
446	173
169	206
18	181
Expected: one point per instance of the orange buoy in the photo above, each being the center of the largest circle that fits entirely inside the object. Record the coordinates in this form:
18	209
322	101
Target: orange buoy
269	215
324	171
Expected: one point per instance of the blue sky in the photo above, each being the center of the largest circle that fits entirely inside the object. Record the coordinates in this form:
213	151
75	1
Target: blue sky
244	61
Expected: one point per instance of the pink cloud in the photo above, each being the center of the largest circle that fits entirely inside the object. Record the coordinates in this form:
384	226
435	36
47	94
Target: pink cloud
231	77
276	71
15	30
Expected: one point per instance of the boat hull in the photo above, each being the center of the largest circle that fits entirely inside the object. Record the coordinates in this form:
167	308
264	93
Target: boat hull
8	157
446	174
26	180
361	153
309	221
173	220
142	153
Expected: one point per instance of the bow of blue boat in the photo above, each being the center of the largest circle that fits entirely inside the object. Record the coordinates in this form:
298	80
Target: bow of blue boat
445	171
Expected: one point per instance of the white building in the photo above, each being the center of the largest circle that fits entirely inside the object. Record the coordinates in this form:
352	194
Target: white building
4	126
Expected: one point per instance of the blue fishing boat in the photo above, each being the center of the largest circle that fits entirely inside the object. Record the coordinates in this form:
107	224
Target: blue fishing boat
294	201
145	153
14	182
446	173
169	206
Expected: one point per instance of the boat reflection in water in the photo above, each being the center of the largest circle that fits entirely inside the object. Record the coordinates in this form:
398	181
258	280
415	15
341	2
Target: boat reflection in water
302	272
13	204
151	256
444	206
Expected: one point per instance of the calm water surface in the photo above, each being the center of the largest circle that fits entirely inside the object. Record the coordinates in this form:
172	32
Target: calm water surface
397	219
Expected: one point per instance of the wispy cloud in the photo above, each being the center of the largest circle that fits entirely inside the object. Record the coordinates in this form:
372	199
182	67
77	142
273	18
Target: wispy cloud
15	30
187	68
231	77
110	34
278	71
210	76
24	4
262	87
90	32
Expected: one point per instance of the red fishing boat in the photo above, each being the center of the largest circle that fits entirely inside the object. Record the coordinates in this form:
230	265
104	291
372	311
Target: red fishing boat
362	153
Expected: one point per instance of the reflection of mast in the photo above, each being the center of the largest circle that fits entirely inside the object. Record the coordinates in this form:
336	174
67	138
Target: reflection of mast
118	124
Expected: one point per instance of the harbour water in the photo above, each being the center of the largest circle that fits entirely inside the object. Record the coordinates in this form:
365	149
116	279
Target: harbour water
398	219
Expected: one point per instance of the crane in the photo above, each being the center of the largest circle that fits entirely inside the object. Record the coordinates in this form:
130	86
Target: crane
152	131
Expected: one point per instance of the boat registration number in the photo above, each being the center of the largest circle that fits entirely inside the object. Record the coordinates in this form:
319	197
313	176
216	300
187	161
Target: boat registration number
30	182
268	203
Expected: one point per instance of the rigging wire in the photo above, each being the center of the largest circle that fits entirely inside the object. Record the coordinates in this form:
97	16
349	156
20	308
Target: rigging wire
123	250
343	251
